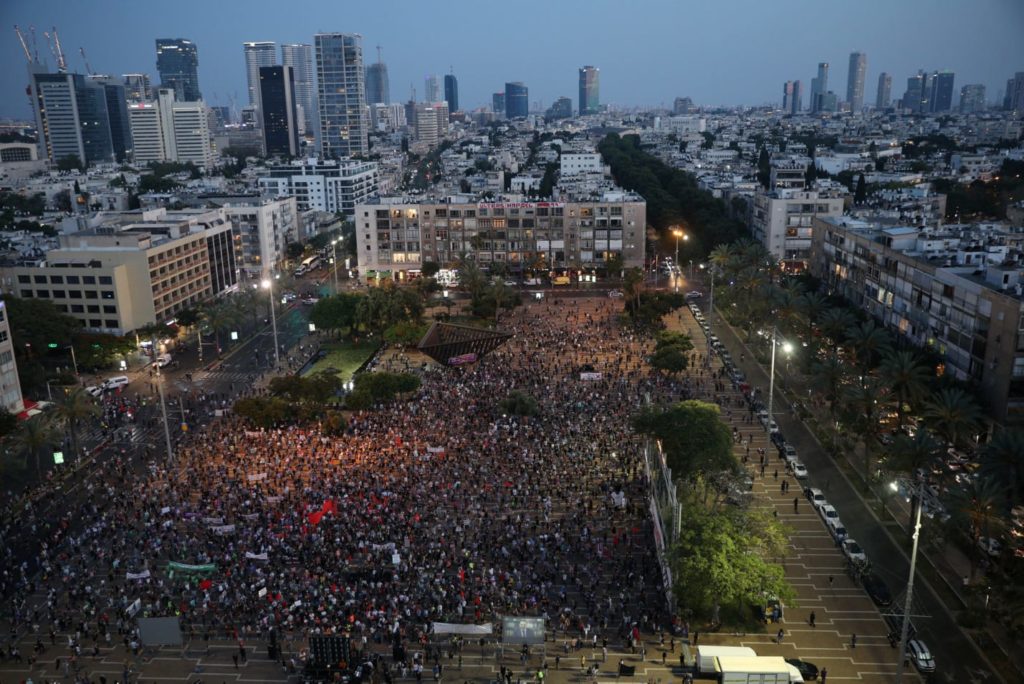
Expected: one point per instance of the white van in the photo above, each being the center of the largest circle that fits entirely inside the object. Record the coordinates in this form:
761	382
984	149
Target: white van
707	655
116	382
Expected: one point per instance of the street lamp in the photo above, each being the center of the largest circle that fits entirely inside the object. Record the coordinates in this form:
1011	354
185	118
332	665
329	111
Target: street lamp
711	310
334	261
163	412
268	284
787	348
905	627
679	234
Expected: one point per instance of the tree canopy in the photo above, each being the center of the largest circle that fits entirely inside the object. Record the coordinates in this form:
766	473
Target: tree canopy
693	436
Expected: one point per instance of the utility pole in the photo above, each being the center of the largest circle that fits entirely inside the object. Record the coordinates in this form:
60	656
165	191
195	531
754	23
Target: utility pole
905	627
163	411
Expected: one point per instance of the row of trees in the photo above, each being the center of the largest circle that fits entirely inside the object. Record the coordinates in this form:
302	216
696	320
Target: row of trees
891	398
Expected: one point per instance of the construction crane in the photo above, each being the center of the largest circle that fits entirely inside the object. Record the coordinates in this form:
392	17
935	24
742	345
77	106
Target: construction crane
61	64
88	69
24	45
35	43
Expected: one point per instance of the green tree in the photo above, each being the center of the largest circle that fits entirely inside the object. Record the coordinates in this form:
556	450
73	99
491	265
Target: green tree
36	436
953	414
907	455
692	434
264	412
8	422
828	377
338	312
380	388
976	507
429	269
519	403
71	410
861	193
1002	460
386	305
906	376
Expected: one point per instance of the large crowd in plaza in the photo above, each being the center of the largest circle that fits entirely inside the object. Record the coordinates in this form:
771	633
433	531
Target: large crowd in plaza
440	508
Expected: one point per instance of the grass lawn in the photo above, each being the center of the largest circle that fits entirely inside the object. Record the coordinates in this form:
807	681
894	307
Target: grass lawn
345	357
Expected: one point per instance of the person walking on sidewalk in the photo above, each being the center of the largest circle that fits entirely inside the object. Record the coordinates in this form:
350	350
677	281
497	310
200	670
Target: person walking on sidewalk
812	618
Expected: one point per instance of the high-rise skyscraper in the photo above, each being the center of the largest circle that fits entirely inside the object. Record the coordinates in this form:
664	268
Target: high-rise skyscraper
787	96
71	117
378	89
277	107
136	87
498	103
432	89
117	114
257	54
972	98
912	96
299	57
798	97
855	81
941	98
884	95
517	100
177	62
341	94
682	106
451	92
590	90
819	86
1013	99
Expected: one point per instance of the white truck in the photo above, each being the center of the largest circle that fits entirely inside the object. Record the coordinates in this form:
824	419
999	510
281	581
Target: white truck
706	655
756	670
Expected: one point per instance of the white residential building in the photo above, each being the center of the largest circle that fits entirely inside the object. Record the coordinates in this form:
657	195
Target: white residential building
10	384
261	230
165	130
573	164
782	220
322	185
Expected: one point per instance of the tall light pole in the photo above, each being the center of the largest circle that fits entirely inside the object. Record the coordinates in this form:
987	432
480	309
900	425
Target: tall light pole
678	234
163	411
268	284
334	261
711	310
905	627
786	347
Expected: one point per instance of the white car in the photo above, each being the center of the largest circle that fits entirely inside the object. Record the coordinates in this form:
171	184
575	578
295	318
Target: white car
615	294
694	294
162	361
816	497
828	512
852	550
919	654
799	470
836	529
990	545
116	382
94	391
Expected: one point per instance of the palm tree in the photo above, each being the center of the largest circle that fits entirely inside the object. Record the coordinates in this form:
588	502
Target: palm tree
811	306
1002	460
868	342
722	256
865	402
36	435
953	414
835	322
75	407
828	378
908	455
977	507
634	285
500	292
907	378
217	317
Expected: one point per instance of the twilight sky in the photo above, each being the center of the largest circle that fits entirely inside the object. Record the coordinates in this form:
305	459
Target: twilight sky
723	52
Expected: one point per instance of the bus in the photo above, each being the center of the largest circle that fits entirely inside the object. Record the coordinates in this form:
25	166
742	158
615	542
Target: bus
308	264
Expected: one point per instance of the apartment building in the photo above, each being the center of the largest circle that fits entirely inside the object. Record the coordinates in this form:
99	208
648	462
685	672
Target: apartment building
332	185
399	234
782	220
10	383
261	230
121	276
955	290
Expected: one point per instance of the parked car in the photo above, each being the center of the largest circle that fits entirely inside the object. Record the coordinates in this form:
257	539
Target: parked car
990	545
877	589
836	528
162	361
694	294
615	294
828	512
815	496
809	671
94	391
919	654
799	470
789	452
853	552
116	382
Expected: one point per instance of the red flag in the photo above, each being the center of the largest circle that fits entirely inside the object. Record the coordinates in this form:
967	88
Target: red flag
462	574
205	584
315	518
330	507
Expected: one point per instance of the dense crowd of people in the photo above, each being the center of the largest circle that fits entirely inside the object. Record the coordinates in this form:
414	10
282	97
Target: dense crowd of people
439	508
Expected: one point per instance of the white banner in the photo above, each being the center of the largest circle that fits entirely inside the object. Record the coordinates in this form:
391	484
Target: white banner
165	510
262	592
273	499
454	628
223	529
590	376
396	559
435	450
134	608
213	521
256	477
251	516
138	575
256	556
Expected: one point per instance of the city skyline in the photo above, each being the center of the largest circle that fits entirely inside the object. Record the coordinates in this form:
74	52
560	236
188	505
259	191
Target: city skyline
975	41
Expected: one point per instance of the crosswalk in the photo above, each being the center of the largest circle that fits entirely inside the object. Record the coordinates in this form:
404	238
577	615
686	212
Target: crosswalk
208	379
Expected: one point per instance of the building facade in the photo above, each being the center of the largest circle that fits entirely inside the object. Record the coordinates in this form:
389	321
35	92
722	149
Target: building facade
884	96
855	81
261	231
517	100
177	62
10	383
341	97
71	117
451	92
395	234
498	103
590	90
378	86
116	97
783	219
972	98
819	86
279	111
137	87
334	186
166	130
941	99
966	309
118	278
299	56
258	54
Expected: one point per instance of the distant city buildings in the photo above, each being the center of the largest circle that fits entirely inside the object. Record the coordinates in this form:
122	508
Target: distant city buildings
559	109
166	130
341	95
117	114
682	106
590	90
819	87
177	62
1014	98
941	99
378	88
498	103
258	54
71	117
972	98
137	87
884	96
333	186
279	111
517	100
855	81
432	88
451	92
299	56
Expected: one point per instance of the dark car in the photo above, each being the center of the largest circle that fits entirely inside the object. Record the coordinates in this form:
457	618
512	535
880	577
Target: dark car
877	589
809	671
